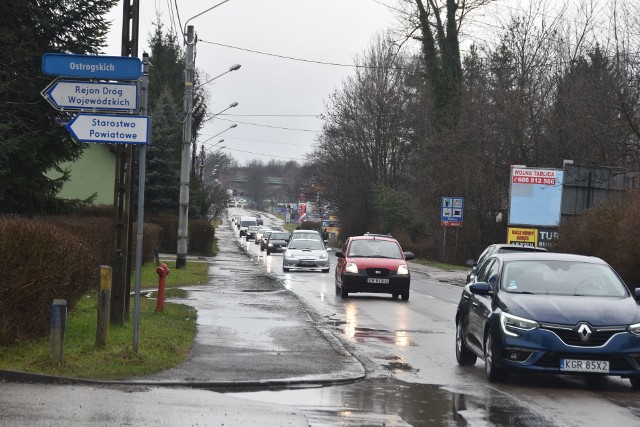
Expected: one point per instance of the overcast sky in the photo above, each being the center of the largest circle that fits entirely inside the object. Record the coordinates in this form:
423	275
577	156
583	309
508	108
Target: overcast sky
272	92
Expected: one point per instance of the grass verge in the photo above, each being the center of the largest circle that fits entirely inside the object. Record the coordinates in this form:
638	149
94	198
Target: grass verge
195	273
164	341
164	338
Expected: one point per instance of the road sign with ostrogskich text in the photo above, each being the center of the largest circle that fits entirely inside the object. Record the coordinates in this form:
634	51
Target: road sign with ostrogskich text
92	66
110	129
74	95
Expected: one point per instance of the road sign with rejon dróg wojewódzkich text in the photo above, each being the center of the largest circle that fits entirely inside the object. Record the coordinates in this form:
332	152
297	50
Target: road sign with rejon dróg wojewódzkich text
74	95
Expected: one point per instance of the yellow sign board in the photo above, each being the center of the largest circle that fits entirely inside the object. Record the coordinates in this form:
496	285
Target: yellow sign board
522	236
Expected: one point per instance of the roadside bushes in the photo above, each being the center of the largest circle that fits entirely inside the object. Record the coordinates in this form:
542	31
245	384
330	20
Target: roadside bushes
201	234
43	261
52	258
610	231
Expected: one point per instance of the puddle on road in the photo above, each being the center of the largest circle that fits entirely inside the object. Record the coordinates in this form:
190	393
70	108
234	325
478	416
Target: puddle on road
400	338
395	403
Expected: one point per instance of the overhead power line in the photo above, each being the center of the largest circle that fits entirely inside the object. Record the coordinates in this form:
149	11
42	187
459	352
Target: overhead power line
269	126
335	64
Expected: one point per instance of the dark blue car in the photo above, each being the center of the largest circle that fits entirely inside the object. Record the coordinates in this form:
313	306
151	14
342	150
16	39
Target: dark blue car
549	313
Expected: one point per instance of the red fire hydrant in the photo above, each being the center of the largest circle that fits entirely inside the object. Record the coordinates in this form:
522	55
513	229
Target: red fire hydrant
163	272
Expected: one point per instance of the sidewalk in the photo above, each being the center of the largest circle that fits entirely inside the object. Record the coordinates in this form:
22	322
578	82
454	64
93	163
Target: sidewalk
252	332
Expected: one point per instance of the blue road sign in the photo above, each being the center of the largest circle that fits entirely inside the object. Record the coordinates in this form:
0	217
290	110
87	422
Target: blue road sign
110	129
92	66
74	95
452	211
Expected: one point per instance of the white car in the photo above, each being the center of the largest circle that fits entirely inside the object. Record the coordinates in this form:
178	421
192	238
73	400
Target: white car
306	254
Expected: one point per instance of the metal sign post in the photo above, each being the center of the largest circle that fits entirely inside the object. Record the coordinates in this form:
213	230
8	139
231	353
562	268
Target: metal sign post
141	179
451	215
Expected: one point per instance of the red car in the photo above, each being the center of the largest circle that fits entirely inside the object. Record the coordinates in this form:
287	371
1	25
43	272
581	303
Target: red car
373	263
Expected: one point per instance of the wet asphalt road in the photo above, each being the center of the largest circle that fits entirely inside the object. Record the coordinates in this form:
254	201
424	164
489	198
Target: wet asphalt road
262	327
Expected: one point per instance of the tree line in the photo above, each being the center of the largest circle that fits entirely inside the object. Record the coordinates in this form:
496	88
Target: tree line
414	124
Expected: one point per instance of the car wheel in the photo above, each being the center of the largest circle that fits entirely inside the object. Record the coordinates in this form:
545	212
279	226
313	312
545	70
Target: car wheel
268	252
285	268
635	382
343	292
464	356
494	374
405	296
325	271
395	296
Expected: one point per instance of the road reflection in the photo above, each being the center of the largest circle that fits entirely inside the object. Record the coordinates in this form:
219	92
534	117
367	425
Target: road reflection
396	403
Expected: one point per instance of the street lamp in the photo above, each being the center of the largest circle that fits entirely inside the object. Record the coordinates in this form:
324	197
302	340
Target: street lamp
232	105
210	138
234	67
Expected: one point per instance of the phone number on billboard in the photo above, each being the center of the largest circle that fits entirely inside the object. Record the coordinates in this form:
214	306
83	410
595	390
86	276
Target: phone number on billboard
533	180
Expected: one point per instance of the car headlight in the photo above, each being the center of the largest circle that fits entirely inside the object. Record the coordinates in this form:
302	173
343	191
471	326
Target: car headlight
403	269
635	329
270	244
351	267
289	254
509	323
323	256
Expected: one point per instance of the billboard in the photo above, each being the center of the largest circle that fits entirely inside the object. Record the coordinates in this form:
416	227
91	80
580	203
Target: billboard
535	197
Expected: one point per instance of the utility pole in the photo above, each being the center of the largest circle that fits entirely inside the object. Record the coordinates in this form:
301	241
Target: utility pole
123	188
185	172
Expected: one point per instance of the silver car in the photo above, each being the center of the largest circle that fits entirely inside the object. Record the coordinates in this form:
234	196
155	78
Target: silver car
306	254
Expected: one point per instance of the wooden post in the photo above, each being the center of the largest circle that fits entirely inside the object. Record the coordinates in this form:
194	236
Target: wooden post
104	306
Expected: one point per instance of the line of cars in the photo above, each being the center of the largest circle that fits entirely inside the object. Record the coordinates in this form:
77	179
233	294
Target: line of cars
523	309
304	250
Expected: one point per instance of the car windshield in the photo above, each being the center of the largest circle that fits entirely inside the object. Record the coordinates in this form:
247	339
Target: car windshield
372	248
562	278
305	244
307	236
247	223
278	236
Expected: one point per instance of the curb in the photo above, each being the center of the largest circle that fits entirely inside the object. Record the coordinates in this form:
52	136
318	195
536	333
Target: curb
29	377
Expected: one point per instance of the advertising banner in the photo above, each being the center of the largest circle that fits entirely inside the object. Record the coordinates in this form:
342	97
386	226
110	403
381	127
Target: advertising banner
535	197
522	236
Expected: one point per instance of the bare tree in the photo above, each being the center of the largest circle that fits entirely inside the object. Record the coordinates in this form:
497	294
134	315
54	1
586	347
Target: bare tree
366	137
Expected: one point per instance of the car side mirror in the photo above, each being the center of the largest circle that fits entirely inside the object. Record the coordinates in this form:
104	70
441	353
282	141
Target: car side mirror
409	256
471	262
340	254
637	293
481	288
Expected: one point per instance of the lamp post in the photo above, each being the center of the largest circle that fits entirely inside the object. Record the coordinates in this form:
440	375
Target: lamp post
183	213
186	160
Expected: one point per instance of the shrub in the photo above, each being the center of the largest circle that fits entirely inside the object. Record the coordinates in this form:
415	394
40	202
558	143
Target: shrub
56	257
201	234
610	231
44	262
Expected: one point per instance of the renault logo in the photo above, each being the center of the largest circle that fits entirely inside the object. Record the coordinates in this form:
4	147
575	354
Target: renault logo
584	331
378	272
